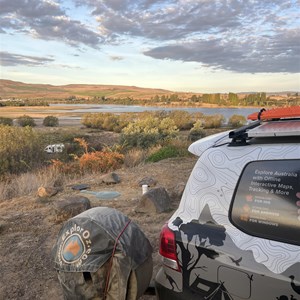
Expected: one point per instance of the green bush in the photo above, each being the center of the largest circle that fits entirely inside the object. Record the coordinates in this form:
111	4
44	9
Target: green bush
110	122
50	121
147	132
183	119
163	153
237	121
21	149
6	121
105	121
89	120
25	120
197	132
213	121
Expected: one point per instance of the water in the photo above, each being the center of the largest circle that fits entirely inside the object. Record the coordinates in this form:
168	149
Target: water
94	108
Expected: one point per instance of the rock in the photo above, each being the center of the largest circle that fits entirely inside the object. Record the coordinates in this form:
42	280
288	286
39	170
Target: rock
148	181
177	191
110	178
45	192
155	200
79	187
71	206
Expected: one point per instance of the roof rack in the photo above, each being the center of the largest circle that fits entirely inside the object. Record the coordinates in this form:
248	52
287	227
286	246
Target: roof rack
240	136
264	127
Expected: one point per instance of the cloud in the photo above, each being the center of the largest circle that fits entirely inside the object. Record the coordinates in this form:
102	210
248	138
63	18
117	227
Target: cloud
12	59
242	36
279	53
116	58
45	19
238	35
162	20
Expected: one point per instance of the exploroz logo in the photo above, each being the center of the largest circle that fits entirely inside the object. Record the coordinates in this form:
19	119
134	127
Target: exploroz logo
75	246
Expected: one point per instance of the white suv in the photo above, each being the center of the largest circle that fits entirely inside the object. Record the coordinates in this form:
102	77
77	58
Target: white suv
236	232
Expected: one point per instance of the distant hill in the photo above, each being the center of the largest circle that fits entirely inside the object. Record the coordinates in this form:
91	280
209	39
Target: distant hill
10	89
13	89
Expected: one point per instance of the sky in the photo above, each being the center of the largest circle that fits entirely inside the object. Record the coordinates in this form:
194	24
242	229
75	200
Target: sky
205	46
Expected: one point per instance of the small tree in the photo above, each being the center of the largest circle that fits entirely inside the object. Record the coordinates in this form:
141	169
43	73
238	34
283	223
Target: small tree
50	121
25	120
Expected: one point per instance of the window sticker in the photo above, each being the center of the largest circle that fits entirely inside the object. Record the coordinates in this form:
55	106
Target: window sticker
266	202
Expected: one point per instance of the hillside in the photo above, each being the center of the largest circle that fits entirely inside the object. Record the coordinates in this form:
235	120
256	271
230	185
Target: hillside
13	90
10	89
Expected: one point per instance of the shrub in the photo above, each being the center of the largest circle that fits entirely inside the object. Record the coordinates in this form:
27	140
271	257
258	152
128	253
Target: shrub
182	145
134	157
197	132
25	120
147	132
110	122
20	149
96	161
196	116
90	121
50	121
6	121
100	161
105	121
163	153
213	121
237	121
182	119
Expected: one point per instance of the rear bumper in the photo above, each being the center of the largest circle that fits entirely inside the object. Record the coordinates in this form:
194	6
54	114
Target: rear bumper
162	293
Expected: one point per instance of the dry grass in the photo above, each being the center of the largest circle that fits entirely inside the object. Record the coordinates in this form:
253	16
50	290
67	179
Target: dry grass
28	183
135	157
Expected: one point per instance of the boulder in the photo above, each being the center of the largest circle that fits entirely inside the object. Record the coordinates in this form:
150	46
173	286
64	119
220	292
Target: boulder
110	178
71	206
155	200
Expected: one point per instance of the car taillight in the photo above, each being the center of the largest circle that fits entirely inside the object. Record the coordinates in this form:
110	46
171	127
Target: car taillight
167	248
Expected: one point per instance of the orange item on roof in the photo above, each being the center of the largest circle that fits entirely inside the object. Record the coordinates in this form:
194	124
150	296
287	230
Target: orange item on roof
276	113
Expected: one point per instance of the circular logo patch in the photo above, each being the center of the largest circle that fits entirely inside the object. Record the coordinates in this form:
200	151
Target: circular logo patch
75	246
72	249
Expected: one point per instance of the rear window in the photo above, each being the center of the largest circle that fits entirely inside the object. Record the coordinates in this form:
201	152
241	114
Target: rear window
266	201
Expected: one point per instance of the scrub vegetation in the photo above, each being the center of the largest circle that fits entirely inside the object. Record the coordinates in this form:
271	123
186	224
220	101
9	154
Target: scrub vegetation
26	121
51	121
138	138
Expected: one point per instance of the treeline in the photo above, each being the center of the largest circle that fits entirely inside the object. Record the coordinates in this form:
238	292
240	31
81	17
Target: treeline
25	102
231	99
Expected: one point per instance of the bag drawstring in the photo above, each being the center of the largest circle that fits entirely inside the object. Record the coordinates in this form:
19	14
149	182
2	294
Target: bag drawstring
111	259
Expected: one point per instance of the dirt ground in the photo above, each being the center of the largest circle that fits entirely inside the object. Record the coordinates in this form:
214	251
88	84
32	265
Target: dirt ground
28	227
